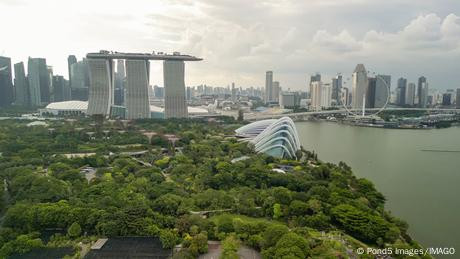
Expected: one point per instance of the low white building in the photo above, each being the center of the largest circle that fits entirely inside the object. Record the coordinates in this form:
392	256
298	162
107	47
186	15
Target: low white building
77	108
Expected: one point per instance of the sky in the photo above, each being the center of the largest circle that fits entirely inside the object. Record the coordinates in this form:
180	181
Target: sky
239	39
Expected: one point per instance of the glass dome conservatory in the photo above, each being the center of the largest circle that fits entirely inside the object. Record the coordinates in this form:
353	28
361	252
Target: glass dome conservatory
273	137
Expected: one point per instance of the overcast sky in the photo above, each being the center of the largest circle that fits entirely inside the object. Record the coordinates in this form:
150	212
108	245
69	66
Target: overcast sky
241	39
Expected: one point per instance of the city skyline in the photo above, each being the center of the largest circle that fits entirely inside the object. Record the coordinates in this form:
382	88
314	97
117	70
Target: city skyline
387	36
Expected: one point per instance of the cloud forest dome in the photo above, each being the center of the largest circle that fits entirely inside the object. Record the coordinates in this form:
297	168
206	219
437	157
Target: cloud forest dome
277	138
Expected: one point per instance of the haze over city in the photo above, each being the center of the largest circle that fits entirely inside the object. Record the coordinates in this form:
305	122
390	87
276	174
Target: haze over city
240	40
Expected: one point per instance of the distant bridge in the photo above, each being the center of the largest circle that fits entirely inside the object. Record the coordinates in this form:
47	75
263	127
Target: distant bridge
300	115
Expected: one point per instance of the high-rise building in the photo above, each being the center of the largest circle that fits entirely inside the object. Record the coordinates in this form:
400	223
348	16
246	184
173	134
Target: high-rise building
159	92
268	86
101	90
276	91
120	77
423	100
50	80
39	84
446	99
359	86
21	85
71	59
422	92
371	90
314	78
458	98
382	90
137	84
189	93
173	74
336	88
316	91
401	91
410	94
233	92
344	99
61	89
6	82
79	83
326	95
289	99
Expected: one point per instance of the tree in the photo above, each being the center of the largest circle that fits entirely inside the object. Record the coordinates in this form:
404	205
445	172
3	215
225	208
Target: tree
168	238
199	244
272	234
167	204
21	245
277	213
74	230
291	245
298	208
230	248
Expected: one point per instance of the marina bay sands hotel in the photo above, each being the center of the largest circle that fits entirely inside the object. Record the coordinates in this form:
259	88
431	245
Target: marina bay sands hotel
101	89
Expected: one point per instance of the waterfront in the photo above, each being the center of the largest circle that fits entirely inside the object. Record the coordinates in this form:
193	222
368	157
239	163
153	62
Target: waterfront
421	187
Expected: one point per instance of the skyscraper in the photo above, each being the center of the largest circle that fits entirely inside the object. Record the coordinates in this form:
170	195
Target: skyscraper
316	91
137	84
446	99
344	98
173	74
39	85
401	91
276	91
21	85
371	90
71	59
49	69
120	77
6	83
314	78
458	98
382	90
159	92
268	86
359	86
233	93
101	90
410	94
61	89
79	82
422	92
336	88
326	94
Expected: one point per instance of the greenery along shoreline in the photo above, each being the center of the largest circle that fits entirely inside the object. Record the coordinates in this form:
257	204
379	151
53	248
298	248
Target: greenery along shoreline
316	209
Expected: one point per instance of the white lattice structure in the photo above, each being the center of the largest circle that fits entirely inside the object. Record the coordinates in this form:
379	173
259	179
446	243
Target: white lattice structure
277	138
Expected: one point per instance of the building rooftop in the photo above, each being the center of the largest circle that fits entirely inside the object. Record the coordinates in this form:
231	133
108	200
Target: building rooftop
103	54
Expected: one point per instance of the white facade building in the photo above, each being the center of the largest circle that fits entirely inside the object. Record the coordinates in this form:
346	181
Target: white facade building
410	94
137	94
101	92
175	103
326	96
316	92
359	86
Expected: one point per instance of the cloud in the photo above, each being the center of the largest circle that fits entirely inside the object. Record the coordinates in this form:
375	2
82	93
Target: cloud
239	39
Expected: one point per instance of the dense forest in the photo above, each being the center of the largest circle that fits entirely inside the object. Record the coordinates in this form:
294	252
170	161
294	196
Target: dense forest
191	182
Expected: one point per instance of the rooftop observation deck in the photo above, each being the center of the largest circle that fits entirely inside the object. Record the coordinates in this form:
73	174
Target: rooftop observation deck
103	54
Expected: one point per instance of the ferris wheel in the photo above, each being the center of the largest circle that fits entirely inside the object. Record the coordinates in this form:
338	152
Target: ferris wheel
353	112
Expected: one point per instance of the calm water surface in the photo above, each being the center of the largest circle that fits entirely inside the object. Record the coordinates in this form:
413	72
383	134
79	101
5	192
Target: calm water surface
422	188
